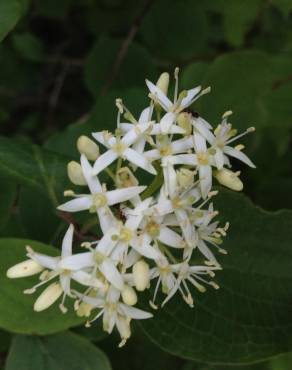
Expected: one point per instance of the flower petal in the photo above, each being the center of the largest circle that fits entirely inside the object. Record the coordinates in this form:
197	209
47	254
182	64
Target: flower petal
159	95
170	238
166	122
67	242
92	180
77	204
77	261
109	270
133	312
87	279
139	160
188	100
121	195
104	161
205	174
200	143
182	145
239	155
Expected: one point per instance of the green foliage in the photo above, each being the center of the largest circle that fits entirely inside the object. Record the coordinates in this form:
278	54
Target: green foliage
10	13
29	165
16	308
67	61
61	351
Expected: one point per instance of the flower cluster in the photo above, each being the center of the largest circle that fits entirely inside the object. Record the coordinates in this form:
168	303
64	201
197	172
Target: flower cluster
162	235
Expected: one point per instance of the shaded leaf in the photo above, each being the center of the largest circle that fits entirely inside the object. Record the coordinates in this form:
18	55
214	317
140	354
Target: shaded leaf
55	352
10	13
100	66
30	165
175	29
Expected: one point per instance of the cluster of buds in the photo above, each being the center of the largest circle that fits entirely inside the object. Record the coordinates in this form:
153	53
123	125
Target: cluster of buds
161	236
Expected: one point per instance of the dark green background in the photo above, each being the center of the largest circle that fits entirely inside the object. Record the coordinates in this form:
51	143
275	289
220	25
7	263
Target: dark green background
63	63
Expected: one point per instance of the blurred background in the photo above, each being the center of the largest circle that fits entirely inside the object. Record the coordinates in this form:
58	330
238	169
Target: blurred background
66	61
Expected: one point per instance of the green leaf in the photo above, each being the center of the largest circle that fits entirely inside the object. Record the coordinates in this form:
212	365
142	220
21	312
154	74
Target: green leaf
28	46
10	13
55	352
16	308
284	5
8	195
239	16
31	165
249	318
238	80
175	29
100	67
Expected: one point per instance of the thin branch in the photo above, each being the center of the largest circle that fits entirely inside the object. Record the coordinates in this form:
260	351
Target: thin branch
125	45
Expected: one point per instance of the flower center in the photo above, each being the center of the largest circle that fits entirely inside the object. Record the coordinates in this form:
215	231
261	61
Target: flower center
99	200
203	158
153	229
125	235
119	148
165	150
98	257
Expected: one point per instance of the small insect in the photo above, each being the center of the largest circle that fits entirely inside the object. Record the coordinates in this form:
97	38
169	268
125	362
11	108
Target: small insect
192	112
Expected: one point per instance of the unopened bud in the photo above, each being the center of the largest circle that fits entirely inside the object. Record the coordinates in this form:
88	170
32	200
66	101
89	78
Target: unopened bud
184	120
23	269
48	297
185	177
125	178
141	275
88	147
229	179
129	295
75	173
163	82
84	309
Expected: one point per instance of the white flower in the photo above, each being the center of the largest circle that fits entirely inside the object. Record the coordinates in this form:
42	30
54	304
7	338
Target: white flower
100	199
184	100
120	148
116	313
54	268
225	135
193	275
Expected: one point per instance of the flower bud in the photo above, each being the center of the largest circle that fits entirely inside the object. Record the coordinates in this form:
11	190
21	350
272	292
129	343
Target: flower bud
184	120
141	275
229	179
125	178
163	82
129	295
185	177
48	297
84	309
88	147
75	173
23	269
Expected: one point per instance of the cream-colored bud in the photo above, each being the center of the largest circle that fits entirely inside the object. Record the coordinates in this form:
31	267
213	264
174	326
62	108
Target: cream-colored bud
84	309
88	147
185	177
75	173
141	275
23	269
184	120
125	178
163	82
129	295
48	297
229	179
